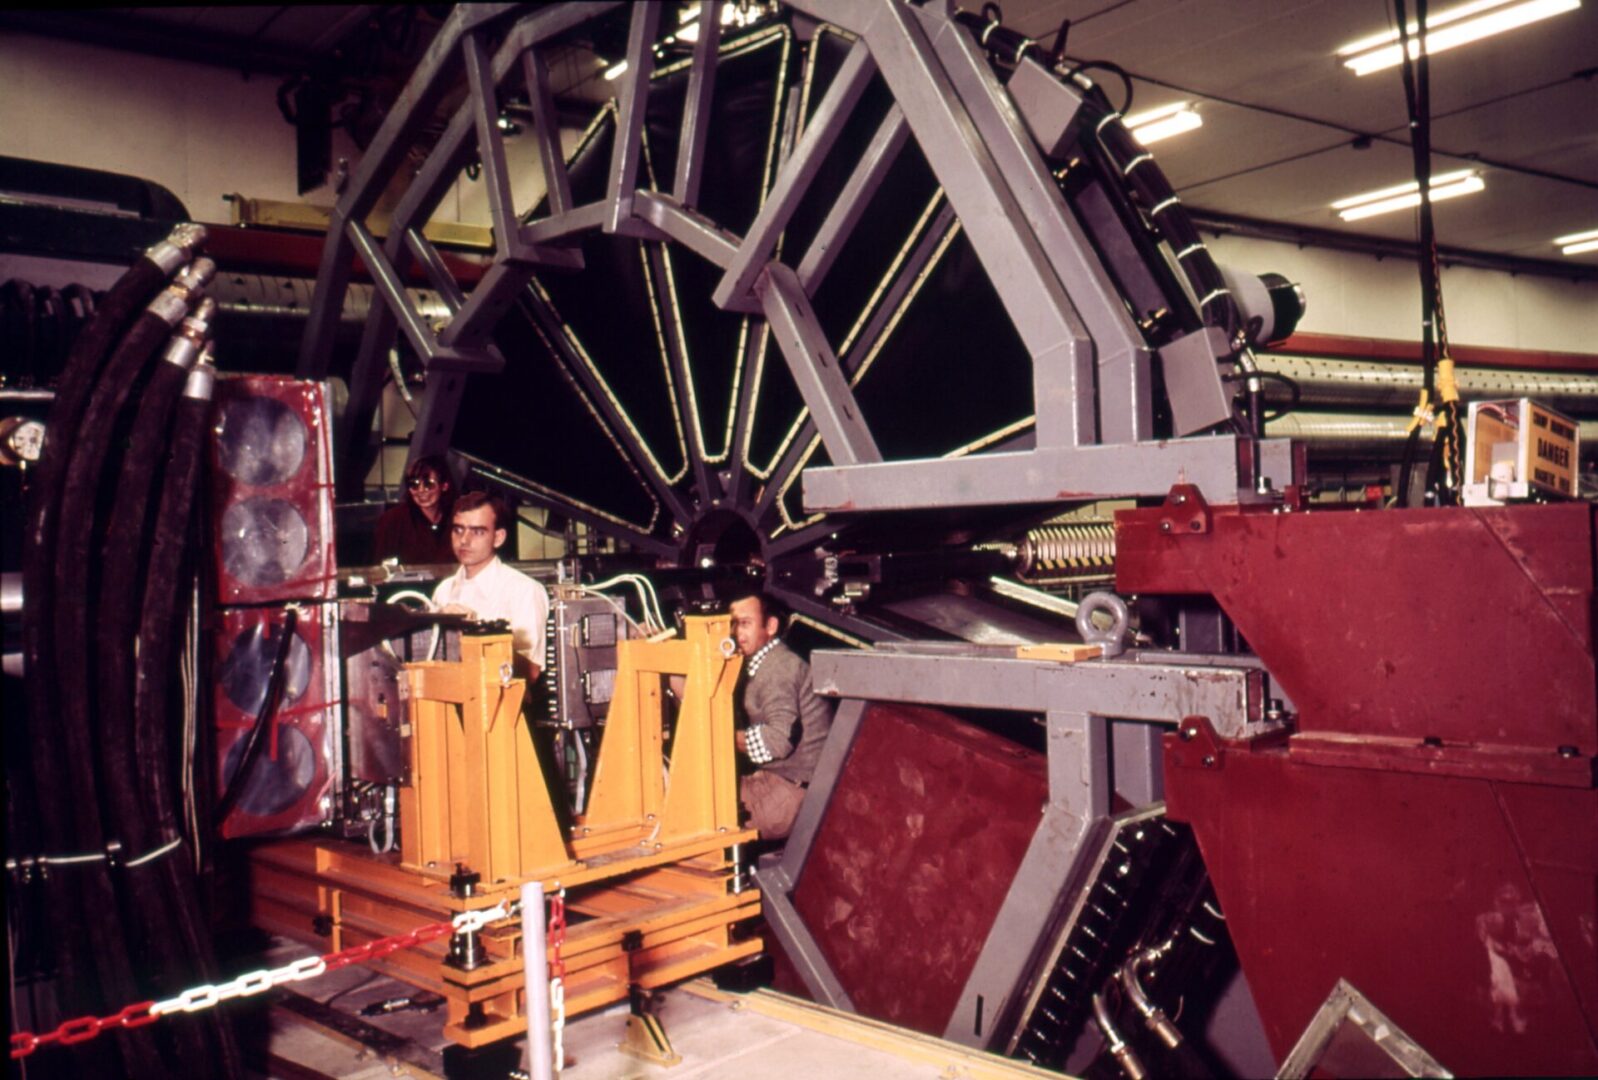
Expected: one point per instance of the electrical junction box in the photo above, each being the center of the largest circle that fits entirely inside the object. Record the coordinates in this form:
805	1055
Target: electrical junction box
1519	449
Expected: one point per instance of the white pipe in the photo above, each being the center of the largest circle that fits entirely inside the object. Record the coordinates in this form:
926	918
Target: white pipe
535	968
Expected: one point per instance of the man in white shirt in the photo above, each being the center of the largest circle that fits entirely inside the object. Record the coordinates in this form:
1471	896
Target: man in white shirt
485	588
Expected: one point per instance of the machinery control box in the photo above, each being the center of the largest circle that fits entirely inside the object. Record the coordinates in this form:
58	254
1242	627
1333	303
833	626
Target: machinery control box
1519	449
580	645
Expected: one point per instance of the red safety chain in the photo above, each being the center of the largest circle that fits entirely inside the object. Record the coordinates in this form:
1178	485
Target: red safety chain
557	935
85	1028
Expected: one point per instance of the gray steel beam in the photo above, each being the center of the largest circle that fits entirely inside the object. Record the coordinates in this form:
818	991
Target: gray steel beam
696	109
1000	229
550	230
416	330
834	755
483	103
546	129
427	257
736	286
1048	475
799	946
988	677
1126	412
778	874
382	157
630	124
1079	800
852	201
473	325
867	340
1038	476
815	369
687	226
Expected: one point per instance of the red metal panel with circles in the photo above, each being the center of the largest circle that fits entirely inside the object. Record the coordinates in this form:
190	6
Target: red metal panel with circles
272	505
290	783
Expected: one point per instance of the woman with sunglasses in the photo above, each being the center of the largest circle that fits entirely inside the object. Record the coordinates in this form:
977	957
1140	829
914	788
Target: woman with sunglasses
417	531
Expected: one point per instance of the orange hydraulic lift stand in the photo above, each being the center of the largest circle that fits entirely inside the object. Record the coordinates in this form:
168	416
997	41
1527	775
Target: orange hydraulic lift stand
650	886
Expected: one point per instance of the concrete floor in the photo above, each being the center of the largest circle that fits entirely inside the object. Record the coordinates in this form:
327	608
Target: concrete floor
318	1032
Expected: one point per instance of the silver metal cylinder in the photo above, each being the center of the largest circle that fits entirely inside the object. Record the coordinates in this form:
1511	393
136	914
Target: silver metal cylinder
10	593
535	970
1325	383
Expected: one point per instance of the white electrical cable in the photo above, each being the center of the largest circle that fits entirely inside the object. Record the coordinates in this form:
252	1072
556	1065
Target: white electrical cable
653	620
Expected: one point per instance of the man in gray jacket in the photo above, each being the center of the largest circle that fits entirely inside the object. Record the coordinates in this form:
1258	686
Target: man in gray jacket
788	723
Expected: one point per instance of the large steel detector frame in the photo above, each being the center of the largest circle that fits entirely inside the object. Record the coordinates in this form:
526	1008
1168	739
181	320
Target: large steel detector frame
986	144
1103	719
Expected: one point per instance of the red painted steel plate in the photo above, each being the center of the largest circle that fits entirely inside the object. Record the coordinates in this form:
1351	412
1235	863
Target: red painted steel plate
924	833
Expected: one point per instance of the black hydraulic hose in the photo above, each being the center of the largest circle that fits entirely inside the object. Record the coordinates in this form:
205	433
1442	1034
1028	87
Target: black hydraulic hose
122	558
159	895
62	897
73	657
111	319
256	739
160	612
194	956
83	472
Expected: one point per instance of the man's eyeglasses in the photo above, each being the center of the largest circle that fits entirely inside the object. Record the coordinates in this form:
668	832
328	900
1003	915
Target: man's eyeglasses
416	483
477	532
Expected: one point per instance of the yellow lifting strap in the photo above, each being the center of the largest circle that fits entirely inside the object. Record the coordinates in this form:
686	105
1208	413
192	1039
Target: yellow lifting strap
1447	388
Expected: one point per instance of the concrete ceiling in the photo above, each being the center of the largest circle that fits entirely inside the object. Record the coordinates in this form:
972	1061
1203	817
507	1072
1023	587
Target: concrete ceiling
1283	118
1287	129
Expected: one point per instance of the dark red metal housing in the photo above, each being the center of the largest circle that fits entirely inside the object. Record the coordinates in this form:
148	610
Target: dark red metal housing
1430	830
923	835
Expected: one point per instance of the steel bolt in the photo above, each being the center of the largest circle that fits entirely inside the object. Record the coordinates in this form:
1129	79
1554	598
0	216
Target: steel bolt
1165	526
1209	761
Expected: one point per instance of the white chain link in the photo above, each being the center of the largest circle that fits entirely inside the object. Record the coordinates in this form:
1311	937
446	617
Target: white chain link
470	922
309	967
557	1014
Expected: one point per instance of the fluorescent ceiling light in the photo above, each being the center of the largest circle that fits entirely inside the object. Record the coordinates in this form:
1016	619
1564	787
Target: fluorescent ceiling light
1447	29
1402	196
1156	124
1578	243
615	71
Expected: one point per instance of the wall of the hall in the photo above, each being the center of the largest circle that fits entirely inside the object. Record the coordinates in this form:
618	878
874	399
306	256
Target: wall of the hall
1363	296
204	132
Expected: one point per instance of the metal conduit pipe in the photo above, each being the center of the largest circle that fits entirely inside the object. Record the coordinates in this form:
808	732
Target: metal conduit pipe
1153	1016
1326	382
1362	435
283	297
1124	1055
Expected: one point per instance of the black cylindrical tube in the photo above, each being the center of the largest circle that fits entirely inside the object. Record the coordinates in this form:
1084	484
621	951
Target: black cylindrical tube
73	656
159	617
63	899
121	560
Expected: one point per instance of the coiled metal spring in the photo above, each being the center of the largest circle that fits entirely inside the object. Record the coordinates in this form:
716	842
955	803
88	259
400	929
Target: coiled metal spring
1055	549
